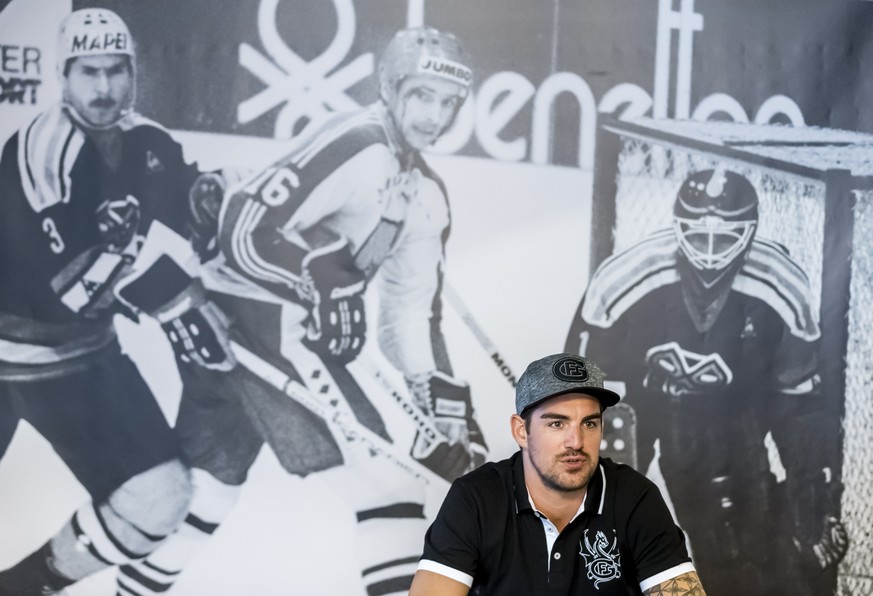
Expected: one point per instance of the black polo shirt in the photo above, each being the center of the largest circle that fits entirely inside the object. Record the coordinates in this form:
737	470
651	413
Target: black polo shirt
488	536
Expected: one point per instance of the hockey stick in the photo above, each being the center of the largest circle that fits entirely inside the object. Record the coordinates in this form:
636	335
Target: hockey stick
334	416
423	423
473	326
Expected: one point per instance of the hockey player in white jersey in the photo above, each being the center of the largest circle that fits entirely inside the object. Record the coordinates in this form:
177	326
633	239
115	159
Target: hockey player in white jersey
716	340
352	203
81	185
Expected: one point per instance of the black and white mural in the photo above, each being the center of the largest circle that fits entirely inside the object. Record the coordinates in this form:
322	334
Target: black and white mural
269	270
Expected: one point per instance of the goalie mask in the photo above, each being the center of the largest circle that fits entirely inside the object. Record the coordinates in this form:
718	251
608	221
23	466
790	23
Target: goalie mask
100	91
714	217
429	67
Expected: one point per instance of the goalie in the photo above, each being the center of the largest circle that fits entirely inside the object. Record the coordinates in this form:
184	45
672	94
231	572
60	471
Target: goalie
715	331
299	243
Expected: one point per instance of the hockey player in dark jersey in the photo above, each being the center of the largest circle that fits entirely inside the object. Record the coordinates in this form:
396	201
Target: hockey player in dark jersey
81	185
716	339
299	243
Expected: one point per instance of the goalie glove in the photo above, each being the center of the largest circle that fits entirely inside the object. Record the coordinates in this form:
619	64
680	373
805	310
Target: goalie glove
337	326
196	328
461	447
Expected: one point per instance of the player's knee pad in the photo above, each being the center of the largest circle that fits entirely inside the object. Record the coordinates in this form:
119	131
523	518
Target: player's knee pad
153	502
213	499
135	519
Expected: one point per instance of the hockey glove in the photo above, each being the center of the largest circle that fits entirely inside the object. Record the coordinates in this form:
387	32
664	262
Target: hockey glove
337	326
204	205
196	328
85	284
830	548
448	402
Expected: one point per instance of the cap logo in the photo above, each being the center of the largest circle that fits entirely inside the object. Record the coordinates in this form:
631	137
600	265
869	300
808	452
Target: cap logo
440	67
570	370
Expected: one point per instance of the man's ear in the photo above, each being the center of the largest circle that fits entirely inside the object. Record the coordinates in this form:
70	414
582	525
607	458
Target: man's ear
519	432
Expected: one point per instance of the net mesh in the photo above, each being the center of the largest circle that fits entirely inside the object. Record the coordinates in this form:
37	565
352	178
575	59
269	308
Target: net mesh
791	208
792	212
857	506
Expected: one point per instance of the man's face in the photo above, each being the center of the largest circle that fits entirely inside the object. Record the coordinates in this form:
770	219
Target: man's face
99	88
423	107
562	446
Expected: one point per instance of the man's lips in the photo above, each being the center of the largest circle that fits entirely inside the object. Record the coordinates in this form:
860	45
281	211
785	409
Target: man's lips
573	461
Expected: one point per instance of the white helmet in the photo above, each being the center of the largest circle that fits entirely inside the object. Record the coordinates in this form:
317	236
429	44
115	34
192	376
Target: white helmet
93	32
424	51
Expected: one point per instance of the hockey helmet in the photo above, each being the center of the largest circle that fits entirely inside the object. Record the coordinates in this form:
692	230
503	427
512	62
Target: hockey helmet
424	51
93	32
714	217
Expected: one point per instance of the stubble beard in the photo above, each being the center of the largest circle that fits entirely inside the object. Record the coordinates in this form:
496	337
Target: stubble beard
565	481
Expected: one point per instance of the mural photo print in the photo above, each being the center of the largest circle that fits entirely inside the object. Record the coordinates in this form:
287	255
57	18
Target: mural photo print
270	268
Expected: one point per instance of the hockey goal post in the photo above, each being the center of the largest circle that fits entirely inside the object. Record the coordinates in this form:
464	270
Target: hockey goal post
815	188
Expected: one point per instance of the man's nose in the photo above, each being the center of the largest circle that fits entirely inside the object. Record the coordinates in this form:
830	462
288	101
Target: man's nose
101	84
573	438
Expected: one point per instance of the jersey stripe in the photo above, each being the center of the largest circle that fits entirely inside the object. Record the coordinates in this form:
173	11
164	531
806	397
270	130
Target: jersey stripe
48	148
771	275
768	274
250	216
318	142
623	279
247	256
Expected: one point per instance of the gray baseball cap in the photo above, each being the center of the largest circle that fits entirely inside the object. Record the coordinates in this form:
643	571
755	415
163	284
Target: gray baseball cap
558	374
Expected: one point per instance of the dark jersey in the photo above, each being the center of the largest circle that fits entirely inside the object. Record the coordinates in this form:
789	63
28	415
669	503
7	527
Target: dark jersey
488	536
710	395
70	222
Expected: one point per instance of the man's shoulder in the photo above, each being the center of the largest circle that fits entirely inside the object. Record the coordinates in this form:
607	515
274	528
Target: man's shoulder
626	481
135	125
626	278
329	144
770	274
359	128
489	473
485	494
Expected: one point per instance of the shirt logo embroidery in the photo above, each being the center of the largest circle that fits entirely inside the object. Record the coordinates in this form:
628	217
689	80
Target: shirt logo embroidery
675	371
153	164
602	559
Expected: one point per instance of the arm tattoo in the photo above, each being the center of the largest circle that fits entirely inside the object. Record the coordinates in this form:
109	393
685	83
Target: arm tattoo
687	584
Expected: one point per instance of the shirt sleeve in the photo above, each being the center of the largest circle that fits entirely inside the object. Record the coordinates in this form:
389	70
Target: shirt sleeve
411	280
657	543
270	221
452	543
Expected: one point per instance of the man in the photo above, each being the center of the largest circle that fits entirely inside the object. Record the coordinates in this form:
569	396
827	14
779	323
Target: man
81	184
717	341
555	518
299	243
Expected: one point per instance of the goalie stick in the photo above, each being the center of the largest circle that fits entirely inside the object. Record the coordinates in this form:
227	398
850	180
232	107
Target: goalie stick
483	339
330	413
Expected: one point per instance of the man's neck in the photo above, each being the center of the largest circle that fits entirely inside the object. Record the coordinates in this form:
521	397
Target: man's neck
559	506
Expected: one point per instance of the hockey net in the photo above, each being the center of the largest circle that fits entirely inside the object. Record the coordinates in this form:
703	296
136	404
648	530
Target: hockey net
803	176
